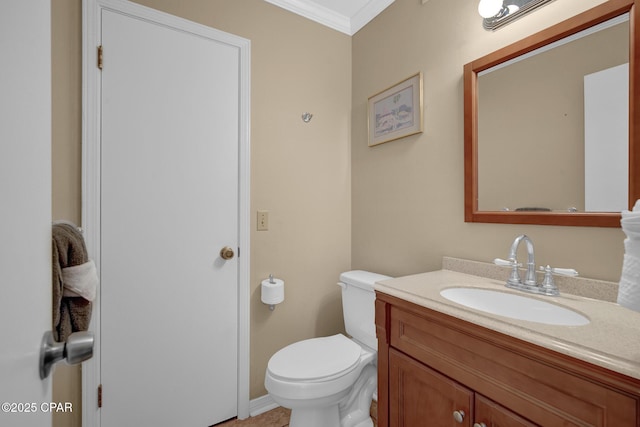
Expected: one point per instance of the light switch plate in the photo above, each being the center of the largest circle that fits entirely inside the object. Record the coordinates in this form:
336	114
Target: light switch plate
263	220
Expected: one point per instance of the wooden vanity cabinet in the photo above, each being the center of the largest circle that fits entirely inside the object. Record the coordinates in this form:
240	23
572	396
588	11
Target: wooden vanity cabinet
431	365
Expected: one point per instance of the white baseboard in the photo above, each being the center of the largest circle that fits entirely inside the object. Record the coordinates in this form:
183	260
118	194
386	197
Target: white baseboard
261	405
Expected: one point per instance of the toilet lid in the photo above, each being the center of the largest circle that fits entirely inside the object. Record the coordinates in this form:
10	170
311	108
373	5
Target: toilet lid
315	358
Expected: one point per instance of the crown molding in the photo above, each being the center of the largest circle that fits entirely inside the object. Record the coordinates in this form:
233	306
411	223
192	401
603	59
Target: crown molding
332	19
317	13
365	15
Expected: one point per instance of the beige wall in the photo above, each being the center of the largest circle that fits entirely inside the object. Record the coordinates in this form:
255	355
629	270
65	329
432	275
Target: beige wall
66	128
300	172
407	199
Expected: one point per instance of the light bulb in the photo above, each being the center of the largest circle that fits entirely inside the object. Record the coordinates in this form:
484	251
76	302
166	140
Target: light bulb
513	8
489	8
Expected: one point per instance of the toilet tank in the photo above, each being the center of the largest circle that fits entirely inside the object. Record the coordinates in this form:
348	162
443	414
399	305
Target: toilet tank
358	305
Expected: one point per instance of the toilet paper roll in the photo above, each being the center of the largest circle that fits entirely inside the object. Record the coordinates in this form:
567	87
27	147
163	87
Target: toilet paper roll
272	293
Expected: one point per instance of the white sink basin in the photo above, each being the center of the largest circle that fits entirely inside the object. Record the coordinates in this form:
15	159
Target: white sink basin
514	306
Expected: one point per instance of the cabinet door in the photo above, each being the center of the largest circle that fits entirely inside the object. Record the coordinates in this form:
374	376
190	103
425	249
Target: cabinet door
494	415
420	396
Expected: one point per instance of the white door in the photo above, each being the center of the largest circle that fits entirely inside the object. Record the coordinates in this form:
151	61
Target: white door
25	220
169	204
606	140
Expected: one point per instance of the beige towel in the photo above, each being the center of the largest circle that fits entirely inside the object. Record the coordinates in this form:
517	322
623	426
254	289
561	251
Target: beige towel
70	314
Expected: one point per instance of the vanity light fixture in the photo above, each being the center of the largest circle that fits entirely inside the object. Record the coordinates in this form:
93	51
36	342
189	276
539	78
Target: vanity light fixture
496	13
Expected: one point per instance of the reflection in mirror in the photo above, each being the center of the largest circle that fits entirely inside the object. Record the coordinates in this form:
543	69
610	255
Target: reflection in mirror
532	154
545	138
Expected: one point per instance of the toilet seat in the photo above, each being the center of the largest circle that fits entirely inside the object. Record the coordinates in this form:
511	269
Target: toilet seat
315	359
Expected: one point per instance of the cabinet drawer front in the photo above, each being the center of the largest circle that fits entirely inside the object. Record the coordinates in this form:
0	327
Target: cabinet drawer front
508	371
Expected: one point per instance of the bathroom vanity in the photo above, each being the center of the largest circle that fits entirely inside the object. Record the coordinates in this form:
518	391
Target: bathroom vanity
443	364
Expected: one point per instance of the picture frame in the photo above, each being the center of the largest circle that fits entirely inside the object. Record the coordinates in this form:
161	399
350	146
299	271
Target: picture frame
396	112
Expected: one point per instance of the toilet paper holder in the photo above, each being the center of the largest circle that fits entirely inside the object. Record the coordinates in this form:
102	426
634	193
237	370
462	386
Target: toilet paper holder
272	292
273	306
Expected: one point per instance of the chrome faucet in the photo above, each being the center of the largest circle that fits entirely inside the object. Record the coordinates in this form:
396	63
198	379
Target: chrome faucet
530	279
547	287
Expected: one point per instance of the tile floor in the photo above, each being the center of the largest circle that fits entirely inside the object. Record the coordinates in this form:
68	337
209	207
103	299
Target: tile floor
278	417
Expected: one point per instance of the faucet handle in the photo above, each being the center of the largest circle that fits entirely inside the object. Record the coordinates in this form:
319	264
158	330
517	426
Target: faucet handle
507	263
548	286
564	271
514	277
560	271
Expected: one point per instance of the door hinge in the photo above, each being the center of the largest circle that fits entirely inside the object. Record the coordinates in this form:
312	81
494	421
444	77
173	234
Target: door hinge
100	396
100	57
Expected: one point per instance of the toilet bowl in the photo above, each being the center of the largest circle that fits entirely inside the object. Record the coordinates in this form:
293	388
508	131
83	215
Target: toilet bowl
312	377
330	381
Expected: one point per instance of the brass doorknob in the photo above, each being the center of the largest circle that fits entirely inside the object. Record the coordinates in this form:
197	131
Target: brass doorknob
226	253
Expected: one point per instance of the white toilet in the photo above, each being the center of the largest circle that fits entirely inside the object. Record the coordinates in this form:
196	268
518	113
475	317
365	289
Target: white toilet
330	381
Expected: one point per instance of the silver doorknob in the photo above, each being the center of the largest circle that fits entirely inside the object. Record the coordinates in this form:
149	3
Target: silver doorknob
458	415
77	348
226	253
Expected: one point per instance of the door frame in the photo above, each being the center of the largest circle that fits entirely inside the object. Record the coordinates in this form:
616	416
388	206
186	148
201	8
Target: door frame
91	128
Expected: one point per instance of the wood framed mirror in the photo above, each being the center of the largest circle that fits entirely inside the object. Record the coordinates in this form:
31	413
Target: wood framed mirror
522	173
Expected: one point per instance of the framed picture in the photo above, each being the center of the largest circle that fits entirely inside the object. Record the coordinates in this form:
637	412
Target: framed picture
396	112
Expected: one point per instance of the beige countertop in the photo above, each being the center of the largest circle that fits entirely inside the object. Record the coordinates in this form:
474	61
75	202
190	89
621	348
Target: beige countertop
611	339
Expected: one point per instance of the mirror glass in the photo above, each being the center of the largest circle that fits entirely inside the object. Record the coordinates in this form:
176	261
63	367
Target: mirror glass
553	126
